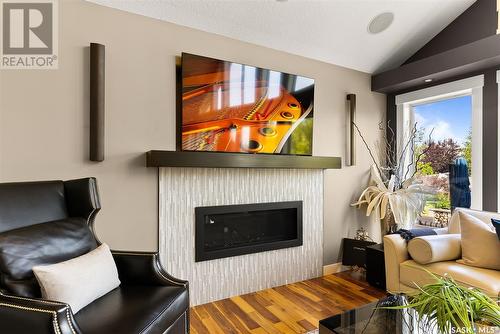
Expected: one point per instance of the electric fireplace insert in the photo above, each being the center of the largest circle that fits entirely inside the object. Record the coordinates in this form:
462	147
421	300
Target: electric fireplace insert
231	230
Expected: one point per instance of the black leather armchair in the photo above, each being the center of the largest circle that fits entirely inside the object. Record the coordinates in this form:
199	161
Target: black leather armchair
148	300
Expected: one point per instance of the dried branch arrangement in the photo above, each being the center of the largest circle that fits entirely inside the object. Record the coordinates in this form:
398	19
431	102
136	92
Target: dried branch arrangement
393	185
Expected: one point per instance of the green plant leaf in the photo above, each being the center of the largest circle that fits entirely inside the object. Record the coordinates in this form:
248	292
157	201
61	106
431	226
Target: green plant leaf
444	304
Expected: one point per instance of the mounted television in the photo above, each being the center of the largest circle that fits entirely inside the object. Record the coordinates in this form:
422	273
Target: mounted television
231	107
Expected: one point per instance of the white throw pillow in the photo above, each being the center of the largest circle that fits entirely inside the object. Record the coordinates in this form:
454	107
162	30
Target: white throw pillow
435	248
79	281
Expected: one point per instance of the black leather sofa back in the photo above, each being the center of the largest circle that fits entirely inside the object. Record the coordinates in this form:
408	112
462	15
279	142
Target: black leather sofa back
40	244
43	223
29	203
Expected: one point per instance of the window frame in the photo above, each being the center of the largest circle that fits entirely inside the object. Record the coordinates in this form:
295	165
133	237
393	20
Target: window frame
472	86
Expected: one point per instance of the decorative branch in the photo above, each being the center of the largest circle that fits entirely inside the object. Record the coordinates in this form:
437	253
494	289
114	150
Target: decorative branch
424	151
390	180
412	155
410	140
394	162
368	148
390	153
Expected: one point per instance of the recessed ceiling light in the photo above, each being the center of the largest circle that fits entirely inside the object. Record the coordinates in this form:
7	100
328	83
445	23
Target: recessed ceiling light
428	80
380	22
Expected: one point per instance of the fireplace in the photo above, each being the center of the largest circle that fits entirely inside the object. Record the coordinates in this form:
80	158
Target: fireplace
231	230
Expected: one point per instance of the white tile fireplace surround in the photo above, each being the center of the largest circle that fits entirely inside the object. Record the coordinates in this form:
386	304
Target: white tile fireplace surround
183	189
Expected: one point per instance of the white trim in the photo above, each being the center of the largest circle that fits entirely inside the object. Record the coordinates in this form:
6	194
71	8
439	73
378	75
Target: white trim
447	90
403	131
334	268
477	148
470	86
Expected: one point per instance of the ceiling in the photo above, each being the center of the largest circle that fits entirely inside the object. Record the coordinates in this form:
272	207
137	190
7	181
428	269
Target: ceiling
333	31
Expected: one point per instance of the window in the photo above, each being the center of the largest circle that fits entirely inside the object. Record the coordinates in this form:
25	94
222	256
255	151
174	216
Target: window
448	123
444	134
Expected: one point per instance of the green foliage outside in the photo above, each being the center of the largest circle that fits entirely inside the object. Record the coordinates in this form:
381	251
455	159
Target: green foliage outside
442	201
467	151
425	168
438	201
434	159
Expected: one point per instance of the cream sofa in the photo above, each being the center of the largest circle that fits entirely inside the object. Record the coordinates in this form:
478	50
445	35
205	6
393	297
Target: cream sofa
403	272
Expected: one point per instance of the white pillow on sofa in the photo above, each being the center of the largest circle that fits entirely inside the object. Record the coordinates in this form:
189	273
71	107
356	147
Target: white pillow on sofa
435	248
79	281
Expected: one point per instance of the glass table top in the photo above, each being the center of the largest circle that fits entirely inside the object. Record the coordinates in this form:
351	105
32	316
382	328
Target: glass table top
370	319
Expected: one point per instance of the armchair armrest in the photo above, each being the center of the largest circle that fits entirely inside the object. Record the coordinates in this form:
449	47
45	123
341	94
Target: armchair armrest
143	268
395	252
28	315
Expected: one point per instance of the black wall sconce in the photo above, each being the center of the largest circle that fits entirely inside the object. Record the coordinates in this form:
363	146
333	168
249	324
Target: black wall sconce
97	99
351	118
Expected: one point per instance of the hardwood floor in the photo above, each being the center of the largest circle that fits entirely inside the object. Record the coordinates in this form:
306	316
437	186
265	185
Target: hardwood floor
291	308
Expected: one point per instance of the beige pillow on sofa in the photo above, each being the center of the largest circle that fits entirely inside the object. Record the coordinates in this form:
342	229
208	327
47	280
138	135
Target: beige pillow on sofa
435	248
480	244
79	281
484	216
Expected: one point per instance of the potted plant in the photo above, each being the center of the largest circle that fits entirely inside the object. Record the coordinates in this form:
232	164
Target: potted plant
447	307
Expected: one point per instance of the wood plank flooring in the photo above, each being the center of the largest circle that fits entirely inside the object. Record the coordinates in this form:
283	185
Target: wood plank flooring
292	308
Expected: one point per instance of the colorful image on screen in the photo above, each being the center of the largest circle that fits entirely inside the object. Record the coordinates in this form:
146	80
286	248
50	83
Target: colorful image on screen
231	107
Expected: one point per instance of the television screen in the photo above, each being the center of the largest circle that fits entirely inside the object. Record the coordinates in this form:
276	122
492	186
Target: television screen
231	107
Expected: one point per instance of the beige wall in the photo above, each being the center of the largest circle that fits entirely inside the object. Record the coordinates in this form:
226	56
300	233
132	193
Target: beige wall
44	117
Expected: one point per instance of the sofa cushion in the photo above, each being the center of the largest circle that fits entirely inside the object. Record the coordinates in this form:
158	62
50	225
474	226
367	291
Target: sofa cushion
488	280
41	244
134	309
435	248
484	216
81	280
480	244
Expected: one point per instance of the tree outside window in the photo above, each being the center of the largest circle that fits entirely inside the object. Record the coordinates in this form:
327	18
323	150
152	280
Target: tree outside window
444	134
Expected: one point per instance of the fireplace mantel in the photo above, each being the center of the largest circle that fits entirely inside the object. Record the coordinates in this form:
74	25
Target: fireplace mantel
238	160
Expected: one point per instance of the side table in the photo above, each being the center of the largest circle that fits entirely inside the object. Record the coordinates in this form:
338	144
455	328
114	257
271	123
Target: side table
375	266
